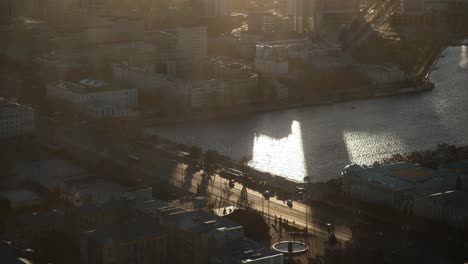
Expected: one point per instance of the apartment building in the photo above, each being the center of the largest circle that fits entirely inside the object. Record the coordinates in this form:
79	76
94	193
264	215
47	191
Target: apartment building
97	99
15	119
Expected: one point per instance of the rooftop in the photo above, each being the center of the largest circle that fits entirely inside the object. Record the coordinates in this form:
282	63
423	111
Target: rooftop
126	232
36	219
453	199
200	221
8	103
87	86
19	196
50	173
245	251
396	176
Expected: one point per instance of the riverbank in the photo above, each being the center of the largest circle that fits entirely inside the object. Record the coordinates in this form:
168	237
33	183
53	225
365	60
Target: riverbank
360	93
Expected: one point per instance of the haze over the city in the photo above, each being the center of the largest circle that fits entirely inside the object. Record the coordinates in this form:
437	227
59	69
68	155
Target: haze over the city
233	131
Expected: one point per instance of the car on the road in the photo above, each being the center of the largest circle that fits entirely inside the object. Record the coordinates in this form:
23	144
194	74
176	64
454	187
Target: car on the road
231	173
232	183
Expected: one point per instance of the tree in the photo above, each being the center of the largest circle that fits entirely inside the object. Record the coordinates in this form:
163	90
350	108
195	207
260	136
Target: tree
195	152
211	157
458	183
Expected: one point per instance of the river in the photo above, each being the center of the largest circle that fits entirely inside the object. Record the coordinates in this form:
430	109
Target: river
319	141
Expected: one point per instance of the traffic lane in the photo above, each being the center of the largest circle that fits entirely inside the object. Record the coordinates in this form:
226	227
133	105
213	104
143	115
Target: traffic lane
276	206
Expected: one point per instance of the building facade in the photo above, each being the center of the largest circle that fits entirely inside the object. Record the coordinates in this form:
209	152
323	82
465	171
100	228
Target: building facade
192	42
266	22
97	99
390	185
240	82
137	242
15	119
449	207
213	8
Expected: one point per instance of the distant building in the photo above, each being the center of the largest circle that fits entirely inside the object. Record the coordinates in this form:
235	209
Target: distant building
240	82
433	15
450	207
98	99
307	16
281	90
35	230
21	198
266	22
205	93
92	192
49	174
134	242
213	8
383	74
183	43
271	59
15	119
105	29
6	12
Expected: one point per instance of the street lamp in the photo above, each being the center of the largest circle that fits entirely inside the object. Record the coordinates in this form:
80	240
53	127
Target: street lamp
306	183
266	195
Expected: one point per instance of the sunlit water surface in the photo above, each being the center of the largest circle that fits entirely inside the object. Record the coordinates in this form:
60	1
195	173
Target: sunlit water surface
320	141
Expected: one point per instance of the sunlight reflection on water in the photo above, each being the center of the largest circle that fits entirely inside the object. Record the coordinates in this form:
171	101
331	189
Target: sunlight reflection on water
278	155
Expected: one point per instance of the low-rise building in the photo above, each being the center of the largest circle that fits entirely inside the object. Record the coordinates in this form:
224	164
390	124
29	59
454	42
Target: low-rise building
97	99
50	174
134	242
389	185
15	119
246	251
450	207
200	234
21	198
35	230
92	192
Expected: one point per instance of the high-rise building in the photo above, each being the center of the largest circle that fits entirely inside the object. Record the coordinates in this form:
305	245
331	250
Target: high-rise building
192	42
6	9
307	15
302	15
266	22
213	8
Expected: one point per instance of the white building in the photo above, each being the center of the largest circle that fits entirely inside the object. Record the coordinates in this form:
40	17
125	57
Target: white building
98	99
15	119
205	93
